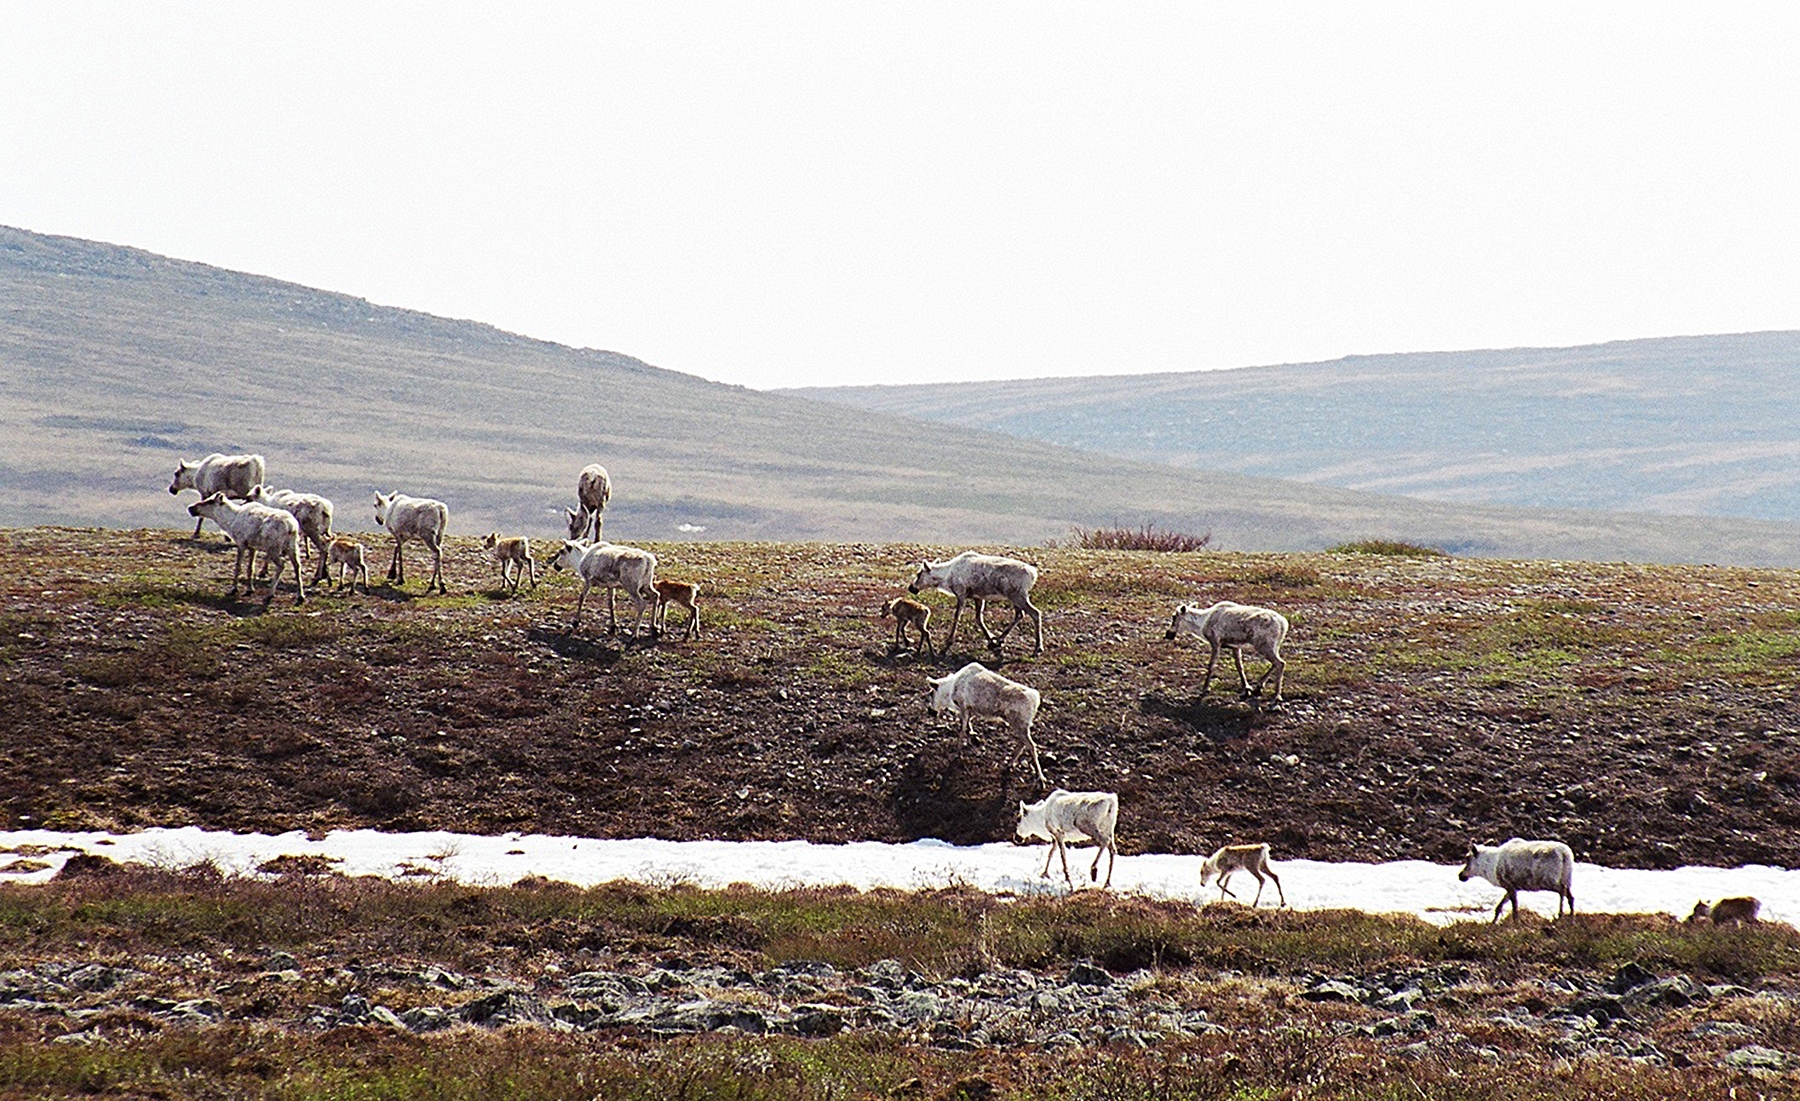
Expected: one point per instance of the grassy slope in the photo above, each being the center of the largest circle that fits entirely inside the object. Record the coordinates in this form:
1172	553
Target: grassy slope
117	362
1641	713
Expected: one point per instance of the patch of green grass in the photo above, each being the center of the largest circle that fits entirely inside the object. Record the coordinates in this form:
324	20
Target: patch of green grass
1388	547
1535	642
164	590
838	666
1757	655
290	630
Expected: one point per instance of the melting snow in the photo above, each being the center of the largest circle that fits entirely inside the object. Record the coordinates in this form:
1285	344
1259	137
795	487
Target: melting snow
1430	891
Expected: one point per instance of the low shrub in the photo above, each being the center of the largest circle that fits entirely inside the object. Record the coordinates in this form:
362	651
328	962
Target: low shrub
1144	538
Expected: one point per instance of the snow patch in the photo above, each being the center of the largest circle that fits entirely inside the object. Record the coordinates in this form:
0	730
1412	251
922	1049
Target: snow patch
1426	890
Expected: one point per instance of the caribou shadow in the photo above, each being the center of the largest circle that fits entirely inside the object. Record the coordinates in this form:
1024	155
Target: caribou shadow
1214	721
594	651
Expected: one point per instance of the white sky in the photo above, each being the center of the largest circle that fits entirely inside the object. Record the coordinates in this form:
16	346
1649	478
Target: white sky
813	193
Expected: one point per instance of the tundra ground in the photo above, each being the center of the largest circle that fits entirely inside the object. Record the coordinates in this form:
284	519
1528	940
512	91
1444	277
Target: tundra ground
1643	714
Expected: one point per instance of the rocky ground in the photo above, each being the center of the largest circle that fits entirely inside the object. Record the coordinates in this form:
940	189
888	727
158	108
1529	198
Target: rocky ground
1456	1012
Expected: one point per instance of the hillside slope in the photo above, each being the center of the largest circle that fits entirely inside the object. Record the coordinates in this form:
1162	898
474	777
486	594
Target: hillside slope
1701	424
1642	714
114	363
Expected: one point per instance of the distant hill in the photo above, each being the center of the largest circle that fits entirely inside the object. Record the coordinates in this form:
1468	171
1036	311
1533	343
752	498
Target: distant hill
1698	425
115	363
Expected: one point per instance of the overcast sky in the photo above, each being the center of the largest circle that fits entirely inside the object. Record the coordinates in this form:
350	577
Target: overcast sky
784	193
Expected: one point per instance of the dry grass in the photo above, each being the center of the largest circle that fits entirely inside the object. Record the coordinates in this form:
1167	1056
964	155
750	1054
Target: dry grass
1244	968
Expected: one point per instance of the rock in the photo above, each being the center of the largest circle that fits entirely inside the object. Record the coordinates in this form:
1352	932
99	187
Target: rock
576	1016
1130	1037
919	1005
660	980
426	1018
1089	973
1677	991
444	980
504	1007
96	977
742	1018
1414	1022
21	988
197	1009
1196	1021
281	961
1754	1057
707	1014
1332	990
1603	1009
1629	977
817	1020
694	1016
821	969
888	973
382	1015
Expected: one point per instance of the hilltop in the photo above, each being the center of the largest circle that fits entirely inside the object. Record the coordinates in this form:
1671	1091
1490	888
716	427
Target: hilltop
115	363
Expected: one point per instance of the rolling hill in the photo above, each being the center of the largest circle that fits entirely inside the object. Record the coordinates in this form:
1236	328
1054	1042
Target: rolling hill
1677	425
115	363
